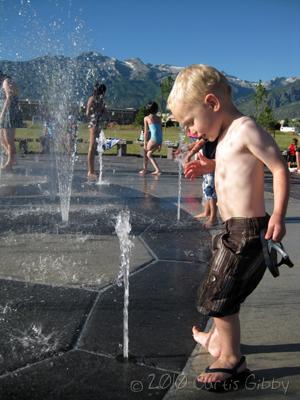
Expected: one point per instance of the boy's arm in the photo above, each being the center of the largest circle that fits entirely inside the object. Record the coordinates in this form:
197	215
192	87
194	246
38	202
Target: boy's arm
196	168
194	148
276	227
262	146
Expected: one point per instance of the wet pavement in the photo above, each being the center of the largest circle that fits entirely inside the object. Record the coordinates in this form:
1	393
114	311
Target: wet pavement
270	327
61	311
61	323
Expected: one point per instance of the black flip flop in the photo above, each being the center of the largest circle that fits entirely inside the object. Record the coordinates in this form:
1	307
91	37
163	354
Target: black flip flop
233	382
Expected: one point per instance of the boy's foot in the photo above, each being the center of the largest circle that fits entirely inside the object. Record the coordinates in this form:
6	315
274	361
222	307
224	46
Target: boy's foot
143	172
92	176
201	215
220	371
209	341
156	173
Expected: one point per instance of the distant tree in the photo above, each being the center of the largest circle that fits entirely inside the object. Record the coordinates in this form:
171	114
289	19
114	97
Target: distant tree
165	89
266	119
260	99
139	118
264	114
296	122
286	122
277	126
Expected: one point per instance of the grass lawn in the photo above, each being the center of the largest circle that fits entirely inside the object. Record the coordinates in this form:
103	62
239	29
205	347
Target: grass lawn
128	132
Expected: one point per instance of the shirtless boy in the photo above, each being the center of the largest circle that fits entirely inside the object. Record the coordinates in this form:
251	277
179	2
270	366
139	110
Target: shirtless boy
201	101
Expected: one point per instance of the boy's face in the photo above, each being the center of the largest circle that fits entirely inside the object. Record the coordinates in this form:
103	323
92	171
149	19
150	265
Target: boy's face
198	118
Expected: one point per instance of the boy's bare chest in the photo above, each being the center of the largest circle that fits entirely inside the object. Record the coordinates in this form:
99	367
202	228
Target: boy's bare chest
229	150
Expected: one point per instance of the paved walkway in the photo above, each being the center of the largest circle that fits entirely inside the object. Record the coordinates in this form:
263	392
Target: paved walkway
270	328
61	310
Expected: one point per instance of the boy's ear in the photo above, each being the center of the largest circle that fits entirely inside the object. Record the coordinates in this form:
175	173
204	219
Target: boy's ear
212	101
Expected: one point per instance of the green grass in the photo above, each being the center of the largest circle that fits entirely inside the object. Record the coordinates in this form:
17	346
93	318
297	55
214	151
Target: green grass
128	132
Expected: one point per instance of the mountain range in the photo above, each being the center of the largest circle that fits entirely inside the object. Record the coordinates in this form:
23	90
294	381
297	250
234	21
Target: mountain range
132	83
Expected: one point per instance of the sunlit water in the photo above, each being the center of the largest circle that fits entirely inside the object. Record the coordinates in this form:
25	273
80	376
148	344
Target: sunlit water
36	341
100	149
180	160
123	228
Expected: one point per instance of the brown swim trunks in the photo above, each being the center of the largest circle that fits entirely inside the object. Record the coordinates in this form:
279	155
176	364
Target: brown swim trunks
236	267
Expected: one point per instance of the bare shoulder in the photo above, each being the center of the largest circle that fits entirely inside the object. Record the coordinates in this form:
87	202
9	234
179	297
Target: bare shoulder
249	132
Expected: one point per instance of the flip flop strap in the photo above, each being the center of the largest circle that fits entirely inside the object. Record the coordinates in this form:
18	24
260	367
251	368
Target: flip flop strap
230	371
224	370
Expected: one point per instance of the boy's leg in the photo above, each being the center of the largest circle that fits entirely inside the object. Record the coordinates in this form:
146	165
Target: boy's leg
212	217
230	353
209	340
206	211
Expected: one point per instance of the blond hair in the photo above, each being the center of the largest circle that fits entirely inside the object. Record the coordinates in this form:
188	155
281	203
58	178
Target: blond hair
195	81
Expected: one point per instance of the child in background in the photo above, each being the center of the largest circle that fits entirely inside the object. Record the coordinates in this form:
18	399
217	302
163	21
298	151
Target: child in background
193	137
208	186
298	159
208	149
95	111
292	152
152	128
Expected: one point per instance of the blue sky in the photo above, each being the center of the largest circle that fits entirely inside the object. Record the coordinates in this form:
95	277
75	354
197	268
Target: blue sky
250	39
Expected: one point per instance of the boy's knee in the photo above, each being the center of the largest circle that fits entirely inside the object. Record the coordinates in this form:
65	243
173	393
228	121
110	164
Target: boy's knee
149	153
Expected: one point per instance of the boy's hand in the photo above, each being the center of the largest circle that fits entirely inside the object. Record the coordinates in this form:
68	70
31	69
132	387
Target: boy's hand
196	168
188	158
276	229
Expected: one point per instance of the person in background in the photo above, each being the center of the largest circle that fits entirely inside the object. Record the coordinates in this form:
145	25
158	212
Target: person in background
152	138
95	112
292	152
298	159
9	118
193	137
208	149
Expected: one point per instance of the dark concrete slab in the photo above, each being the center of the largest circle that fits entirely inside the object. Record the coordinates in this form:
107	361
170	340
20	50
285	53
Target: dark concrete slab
81	376
37	321
162	311
44	332
185	240
66	260
97	219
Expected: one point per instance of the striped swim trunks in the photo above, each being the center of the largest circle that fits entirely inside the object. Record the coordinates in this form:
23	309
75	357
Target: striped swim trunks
236	268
